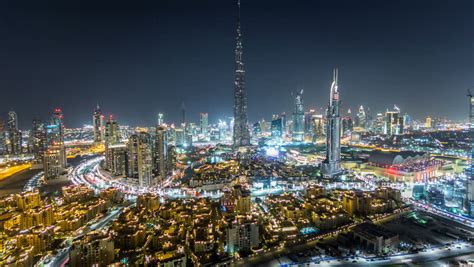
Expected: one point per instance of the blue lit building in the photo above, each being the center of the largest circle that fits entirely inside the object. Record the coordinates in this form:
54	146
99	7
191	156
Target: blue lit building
298	118
277	126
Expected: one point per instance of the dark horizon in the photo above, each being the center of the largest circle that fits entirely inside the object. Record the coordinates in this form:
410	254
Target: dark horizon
138	59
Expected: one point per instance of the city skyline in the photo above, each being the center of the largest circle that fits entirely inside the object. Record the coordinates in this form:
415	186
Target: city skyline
383	64
139	151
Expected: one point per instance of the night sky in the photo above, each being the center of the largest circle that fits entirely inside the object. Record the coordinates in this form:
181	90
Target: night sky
138	58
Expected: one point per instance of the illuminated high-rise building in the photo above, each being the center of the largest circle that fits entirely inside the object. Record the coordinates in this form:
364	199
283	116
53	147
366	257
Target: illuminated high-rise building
183	114
407	123
161	152
3	147
361	118
204	121
115	151
347	125
98	125
331	166
54	160
277	126
265	126
309	122
257	129
171	158
379	124
14	139
112	132
37	140
180	137
428	122
469	198
141	158
58	119
319	129
241	134
12	121
298	118
393	122
160	119
132	150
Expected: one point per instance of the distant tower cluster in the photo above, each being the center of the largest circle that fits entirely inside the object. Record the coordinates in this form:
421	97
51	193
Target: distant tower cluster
241	135
298	118
144	158
331	166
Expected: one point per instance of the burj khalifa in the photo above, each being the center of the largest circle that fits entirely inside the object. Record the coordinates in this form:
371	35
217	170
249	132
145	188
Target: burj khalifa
241	135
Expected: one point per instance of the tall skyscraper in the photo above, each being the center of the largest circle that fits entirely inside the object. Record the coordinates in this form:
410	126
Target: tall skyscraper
37	140
115	152
161	152
58	119
407	123
3	148
54	161
12	121
145	160
361	118
14	135
346	125
241	134
183	114
160	119
204	124
277	126
379	124
469	198
98	124
393	122
140	158
112	132
331	166
298	118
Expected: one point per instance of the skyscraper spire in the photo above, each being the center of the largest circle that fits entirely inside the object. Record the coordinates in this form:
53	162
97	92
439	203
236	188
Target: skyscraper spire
238	18
241	135
183	113
334	93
